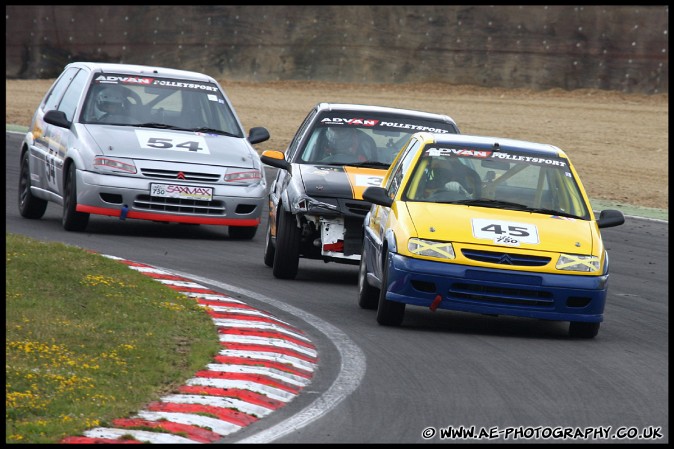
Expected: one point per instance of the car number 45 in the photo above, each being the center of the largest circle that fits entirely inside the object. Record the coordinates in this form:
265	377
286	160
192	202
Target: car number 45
505	232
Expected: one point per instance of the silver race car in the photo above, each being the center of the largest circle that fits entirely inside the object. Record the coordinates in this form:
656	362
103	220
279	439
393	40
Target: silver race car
138	142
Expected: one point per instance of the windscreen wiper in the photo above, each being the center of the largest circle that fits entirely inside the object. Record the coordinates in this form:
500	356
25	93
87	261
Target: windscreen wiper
369	164
515	206
205	129
161	126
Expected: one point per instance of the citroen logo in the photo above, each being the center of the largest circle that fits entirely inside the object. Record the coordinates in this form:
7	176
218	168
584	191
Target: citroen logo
505	260
181	175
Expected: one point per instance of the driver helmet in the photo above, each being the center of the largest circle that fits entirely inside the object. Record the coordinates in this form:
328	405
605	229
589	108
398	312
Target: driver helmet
110	101
341	139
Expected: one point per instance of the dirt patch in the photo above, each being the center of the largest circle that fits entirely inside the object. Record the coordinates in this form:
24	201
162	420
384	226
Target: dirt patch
618	142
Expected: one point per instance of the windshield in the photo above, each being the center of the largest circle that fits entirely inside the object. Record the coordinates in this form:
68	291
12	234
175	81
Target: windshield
504	179
158	102
364	139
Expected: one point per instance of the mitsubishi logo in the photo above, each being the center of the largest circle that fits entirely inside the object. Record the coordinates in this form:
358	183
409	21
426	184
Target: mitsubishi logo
181	175
505	260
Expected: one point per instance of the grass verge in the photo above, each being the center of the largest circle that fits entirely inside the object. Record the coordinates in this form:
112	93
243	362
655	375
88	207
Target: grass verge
88	340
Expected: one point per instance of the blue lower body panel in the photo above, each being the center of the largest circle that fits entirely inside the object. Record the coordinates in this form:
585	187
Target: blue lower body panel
496	292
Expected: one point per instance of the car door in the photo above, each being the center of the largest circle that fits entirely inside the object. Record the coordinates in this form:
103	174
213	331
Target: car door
55	141
379	224
40	164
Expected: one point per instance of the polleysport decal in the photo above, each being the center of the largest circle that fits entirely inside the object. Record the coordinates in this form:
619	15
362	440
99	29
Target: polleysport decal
264	364
531	159
166	140
362	178
415	128
370	123
505	232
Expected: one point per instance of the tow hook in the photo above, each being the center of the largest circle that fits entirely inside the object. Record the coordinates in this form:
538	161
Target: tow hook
436	302
124	211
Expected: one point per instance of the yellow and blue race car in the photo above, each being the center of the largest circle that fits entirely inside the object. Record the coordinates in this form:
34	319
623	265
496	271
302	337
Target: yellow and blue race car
486	225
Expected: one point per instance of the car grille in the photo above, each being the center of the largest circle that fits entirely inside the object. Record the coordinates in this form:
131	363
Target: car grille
177	205
174	174
478	293
505	258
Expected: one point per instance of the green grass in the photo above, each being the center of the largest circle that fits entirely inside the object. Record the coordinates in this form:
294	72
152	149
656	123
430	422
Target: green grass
89	340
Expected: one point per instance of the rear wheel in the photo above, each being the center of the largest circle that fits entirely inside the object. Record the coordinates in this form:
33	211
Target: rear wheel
579	329
242	232
287	254
72	220
368	296
269	249
389	313
29	206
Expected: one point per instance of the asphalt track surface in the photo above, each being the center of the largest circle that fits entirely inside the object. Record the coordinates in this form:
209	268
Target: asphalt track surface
511	378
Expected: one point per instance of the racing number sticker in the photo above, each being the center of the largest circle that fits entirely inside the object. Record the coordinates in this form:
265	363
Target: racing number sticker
171	141
505	232
368	180
50	171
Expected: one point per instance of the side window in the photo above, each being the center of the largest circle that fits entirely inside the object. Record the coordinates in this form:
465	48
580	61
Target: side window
54	97
396	179
72	95
402	164
401	168
294	144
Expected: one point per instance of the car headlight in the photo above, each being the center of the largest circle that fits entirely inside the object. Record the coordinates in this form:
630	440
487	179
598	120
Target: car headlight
430	248
576	262
305	203
243	177
116	165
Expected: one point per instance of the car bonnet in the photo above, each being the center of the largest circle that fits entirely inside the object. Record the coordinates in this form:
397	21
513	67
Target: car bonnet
499	227
172	146
338	181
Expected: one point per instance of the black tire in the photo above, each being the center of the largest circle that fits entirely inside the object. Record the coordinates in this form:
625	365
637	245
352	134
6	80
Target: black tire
269	249
72	220
29	206
242	232
368	296
287	254
389	313
580	329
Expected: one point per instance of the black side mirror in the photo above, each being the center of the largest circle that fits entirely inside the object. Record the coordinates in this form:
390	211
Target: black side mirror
57	118
377	195
258	134
609	218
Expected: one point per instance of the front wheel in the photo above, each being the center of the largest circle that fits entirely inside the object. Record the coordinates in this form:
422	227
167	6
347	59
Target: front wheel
287	254
368	296
580	329
72	220
29	206
242	232
389	313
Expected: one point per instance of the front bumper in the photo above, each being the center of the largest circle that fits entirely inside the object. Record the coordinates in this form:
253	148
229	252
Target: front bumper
128	197
496	292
